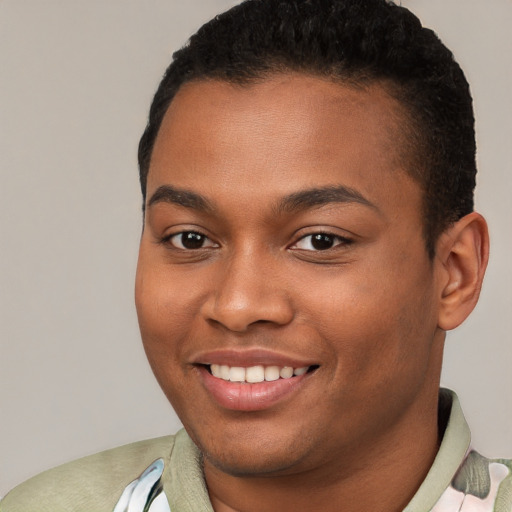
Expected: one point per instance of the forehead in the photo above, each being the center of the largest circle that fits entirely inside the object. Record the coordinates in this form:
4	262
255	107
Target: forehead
287	131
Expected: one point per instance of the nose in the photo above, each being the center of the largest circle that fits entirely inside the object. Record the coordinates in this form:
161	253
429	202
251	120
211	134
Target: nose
248	290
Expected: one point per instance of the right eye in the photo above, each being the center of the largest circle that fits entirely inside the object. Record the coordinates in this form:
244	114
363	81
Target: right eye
189	240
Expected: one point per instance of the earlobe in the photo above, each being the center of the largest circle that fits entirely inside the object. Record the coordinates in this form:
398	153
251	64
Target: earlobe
463	252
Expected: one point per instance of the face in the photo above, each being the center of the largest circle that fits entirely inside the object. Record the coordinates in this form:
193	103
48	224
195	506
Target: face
285	298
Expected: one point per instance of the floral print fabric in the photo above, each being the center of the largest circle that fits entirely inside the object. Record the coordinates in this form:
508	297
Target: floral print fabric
480	485
145	494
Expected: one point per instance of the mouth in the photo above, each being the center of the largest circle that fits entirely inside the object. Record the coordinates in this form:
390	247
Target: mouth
256	374
253	388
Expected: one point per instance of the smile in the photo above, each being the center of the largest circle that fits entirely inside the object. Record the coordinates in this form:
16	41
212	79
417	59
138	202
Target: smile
253	388
255	374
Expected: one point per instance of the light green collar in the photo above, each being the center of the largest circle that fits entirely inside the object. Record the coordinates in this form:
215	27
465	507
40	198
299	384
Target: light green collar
455	444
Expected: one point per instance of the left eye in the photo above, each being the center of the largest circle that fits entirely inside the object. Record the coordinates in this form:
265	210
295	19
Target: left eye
189	240
320	242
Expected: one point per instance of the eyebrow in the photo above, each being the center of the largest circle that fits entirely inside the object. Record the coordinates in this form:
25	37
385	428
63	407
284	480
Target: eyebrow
310	198
297	201
180	197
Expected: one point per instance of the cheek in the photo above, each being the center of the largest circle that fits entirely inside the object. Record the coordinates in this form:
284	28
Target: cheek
161	315
374	321
162	299
163	321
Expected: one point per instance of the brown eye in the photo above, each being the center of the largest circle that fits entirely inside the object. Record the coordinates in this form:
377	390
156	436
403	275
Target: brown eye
190	240
320	242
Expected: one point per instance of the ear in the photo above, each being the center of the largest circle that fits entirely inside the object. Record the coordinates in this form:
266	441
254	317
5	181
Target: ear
462	254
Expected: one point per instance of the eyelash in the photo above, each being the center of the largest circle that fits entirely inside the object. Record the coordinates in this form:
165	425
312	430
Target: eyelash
321	237
167	240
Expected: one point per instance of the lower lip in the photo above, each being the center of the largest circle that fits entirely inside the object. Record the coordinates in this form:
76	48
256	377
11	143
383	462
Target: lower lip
241	396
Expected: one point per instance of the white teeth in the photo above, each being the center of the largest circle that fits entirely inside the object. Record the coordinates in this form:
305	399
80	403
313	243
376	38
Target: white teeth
271	373
237	374
254	374
286	372
224	371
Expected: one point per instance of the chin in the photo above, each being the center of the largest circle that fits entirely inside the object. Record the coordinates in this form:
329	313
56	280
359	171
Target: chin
249	466
252	454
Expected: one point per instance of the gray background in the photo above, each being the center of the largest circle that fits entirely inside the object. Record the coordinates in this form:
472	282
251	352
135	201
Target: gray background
76	80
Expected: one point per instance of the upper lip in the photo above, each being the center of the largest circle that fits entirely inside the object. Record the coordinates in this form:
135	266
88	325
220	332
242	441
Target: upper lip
250	357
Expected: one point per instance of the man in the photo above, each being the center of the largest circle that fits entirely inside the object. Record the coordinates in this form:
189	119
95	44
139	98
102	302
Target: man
309	237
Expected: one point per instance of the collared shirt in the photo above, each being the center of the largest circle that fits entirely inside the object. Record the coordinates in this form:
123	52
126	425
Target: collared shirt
171	478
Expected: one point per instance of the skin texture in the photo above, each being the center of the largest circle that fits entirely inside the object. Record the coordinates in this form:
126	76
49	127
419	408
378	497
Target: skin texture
370	311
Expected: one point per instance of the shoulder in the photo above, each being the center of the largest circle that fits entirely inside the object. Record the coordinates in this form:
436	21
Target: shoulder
92	483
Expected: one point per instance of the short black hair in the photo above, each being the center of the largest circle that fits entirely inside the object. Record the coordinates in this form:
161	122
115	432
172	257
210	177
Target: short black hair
357	42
